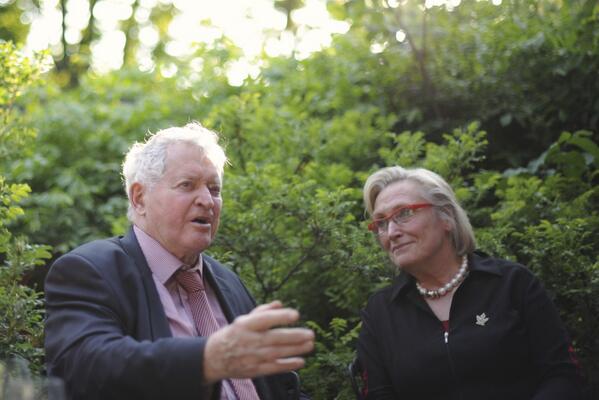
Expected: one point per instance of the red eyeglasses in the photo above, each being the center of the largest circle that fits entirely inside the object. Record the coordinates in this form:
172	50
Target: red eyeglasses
398	216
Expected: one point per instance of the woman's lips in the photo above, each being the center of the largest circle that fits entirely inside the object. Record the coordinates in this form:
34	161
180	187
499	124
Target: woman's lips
396	247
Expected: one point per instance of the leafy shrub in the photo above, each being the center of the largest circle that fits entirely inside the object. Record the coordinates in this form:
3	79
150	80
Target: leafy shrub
20	306
304	135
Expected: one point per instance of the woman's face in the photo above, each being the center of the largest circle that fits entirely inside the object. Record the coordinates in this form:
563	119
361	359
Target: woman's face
418	240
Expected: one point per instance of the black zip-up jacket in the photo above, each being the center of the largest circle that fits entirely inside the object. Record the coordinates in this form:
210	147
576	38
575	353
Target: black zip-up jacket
505	340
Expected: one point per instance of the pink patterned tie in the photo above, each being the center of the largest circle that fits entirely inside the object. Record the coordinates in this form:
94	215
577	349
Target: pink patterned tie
206	323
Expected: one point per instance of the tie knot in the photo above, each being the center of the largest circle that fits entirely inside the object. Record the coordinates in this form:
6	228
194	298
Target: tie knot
189	280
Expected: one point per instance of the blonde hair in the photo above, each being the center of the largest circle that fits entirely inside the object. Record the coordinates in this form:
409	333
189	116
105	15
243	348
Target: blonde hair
436	191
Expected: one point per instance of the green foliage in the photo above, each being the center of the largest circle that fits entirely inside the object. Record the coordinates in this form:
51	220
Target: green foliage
286	237
21	327
304	135
327	372
16	74
526	69
11	27
83	135
549	221
20	305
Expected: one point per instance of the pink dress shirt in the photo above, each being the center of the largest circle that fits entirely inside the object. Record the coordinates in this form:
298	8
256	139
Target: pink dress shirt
163	265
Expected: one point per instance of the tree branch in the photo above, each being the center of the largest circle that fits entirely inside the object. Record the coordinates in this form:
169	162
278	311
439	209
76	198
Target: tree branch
420	57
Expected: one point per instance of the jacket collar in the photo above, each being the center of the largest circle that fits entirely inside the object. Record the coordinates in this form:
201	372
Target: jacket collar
478	262
159	327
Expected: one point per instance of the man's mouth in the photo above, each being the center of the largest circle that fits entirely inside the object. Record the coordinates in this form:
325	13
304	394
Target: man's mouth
202	220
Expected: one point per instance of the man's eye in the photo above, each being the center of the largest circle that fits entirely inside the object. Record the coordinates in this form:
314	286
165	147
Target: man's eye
185	184
215	190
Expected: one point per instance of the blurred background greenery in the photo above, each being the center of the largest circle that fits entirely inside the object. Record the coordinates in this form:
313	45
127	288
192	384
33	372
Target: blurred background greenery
499	97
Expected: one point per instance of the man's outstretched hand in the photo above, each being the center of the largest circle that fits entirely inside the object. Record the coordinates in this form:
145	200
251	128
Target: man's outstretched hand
257	344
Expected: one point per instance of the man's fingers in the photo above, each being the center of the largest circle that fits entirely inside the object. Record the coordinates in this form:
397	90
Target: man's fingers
275	367
278	352
281	365
267	318
268	306
286	336
257	344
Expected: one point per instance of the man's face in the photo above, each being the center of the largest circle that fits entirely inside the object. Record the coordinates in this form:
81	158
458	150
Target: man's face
182	210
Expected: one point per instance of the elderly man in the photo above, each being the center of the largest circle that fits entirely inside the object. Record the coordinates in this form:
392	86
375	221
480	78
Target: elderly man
149	315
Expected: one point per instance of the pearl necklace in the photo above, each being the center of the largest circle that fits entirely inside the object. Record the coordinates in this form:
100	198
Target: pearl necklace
449	286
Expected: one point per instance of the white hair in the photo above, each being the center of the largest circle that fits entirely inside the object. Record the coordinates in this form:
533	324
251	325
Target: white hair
145	162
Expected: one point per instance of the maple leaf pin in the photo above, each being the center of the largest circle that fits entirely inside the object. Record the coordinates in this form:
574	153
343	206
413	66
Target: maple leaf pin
481	319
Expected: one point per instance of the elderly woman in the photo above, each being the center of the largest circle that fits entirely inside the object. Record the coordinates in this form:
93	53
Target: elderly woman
455	324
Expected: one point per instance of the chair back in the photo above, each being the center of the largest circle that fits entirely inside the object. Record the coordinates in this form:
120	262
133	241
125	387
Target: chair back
354	370
293	386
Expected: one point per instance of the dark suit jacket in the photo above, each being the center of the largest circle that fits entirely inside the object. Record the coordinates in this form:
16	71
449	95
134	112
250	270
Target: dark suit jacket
107	334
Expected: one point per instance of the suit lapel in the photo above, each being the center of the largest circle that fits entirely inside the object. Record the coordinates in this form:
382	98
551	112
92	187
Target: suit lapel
221	289
159	327
224	293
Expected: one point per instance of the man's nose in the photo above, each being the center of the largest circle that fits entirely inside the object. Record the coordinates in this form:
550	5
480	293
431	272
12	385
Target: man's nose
204	197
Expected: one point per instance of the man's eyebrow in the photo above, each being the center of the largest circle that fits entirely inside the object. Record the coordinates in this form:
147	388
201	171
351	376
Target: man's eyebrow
208	178
183	174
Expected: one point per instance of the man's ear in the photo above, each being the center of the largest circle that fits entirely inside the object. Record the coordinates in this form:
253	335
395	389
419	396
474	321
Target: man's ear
137	193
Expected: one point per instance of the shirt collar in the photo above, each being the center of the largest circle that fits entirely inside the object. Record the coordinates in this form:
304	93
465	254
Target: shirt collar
477	262
162	263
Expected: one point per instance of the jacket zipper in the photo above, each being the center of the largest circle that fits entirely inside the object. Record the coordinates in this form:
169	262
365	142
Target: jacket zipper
451	366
